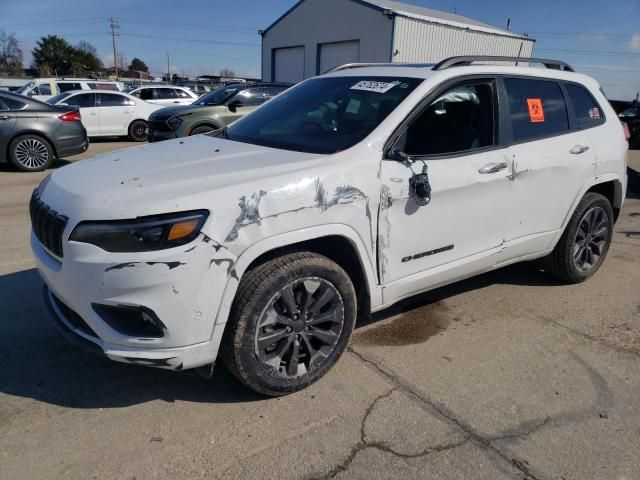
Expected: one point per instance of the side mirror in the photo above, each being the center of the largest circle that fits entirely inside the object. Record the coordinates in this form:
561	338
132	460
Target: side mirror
420	187
232	106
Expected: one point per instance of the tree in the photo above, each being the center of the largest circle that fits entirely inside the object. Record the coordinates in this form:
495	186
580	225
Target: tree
10	54
138	65
85	58
55	53
227	72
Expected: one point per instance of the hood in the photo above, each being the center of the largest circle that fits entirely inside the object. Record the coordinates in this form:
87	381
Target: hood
167	176
178	110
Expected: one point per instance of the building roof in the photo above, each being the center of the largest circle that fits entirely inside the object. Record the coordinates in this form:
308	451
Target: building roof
421	13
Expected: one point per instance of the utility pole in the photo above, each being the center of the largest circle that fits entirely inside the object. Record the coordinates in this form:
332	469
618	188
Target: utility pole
168	72
114	26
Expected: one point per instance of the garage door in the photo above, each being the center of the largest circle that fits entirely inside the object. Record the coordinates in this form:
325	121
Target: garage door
338	53
288	64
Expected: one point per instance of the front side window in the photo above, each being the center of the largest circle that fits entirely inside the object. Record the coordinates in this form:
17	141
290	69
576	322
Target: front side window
218	97
86	100
181	93
459	120
588	112
537	108
42	89
102	86
323	115
250	97
68	86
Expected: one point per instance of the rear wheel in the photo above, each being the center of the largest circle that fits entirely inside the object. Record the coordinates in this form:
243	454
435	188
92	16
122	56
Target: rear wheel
585	242
290	322
138	131
30	153
203	129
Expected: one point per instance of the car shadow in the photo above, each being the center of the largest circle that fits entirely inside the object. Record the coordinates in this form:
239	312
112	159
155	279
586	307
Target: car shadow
7	167
39	363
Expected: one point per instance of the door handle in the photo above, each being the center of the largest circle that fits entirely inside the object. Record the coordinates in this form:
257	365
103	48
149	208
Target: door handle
5	117
93	113
176	101
493	167
578	149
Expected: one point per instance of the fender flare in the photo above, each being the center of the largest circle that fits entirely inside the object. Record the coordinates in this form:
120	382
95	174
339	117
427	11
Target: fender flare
290	238
604	178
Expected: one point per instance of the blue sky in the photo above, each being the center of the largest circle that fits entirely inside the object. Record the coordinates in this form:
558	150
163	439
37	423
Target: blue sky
601	38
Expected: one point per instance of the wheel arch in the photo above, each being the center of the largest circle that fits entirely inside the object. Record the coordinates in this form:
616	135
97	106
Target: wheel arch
612	190
339	242
29	132
203	123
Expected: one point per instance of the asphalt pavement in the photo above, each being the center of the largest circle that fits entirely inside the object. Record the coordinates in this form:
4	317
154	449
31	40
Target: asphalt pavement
507	375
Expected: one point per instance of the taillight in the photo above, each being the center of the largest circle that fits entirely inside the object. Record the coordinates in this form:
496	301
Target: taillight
627	132
71	116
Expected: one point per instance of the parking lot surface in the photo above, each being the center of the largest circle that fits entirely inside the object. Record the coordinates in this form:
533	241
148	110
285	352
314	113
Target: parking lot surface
507	375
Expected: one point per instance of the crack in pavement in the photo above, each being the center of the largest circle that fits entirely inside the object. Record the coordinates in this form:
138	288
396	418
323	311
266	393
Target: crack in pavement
364	444
600	341
520	465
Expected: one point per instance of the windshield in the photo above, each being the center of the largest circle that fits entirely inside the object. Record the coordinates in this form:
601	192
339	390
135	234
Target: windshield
25	88
57	98
218	97
323	115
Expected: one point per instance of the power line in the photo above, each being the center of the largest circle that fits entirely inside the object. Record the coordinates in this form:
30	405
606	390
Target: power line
192	25
587	52
54	22
213	42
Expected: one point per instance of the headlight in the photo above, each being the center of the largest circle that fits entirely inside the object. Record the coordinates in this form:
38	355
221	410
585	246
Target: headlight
174	123
143	234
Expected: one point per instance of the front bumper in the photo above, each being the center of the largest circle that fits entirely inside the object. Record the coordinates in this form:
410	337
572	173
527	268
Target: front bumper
182	286
158	136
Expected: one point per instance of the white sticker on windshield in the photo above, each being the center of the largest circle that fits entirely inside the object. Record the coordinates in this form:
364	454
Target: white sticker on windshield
373	86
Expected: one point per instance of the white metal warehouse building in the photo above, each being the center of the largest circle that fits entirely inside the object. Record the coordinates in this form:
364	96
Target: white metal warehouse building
317	35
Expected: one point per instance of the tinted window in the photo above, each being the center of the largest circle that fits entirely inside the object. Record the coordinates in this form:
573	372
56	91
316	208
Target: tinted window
68	86
42	89
588	112
273	91
112	100
102	86
181	93
218	97
537	108
250	97
13	104
145	94
459	120
323	115
164	93
86	100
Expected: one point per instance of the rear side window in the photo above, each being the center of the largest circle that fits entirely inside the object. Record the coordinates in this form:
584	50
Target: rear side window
537	108
83	101
102	86
588	112
164	93
145	94
13	104
68	86
112	100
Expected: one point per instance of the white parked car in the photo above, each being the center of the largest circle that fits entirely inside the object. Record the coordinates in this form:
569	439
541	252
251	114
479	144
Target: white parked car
106	114
44	88
165	95
341	196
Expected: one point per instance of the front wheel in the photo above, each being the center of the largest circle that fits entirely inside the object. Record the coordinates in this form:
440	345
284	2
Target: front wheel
202	129
138	131
290	322
585	242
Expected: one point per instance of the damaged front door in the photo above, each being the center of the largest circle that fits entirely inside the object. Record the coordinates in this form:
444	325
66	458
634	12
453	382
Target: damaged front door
445	186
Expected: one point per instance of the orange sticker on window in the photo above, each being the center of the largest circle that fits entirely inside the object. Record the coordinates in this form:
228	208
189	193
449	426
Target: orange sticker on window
536	113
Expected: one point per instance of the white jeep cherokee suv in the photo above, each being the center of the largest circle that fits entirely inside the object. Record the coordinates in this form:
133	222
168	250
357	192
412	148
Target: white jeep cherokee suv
352	190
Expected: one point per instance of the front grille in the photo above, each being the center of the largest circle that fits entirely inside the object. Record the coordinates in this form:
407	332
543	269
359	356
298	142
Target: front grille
47	224
159	126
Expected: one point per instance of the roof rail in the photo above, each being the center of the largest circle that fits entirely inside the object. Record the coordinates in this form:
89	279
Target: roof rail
360	65
468	60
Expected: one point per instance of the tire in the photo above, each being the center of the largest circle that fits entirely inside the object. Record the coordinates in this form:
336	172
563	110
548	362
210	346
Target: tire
263	332
202	129
592	224
30	153
138	131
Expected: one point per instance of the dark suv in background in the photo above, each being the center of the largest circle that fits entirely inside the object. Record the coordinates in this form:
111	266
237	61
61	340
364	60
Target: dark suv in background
212	111
34	133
